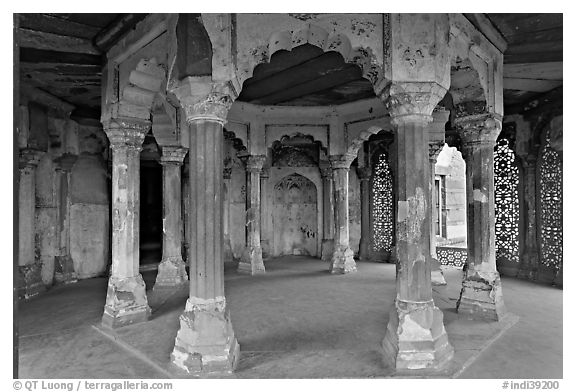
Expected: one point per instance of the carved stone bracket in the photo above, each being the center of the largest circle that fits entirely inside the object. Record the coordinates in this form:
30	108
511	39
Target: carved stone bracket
227	173
325	170
173	155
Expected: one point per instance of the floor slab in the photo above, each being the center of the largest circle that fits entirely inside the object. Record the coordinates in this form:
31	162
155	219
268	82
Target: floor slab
296	321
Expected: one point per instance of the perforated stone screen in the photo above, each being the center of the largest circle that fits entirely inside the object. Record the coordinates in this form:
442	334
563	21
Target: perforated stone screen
551	206
382	204
507	205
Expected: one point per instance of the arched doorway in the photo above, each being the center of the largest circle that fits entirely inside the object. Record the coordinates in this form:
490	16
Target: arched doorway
295	216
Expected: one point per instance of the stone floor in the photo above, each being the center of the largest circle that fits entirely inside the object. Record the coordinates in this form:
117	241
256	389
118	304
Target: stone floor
297	321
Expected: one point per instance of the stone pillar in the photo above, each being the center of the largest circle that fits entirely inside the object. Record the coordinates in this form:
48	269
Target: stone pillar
481	294
228	255
264	209
251	261
126	300
64	268
364	175
415	337
30	270
436	272
328	211
343	257
205	341
172	269
529	260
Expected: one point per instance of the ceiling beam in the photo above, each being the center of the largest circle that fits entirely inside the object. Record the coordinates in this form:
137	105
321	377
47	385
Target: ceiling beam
47	41
108	37
30	55
549	71
485	26
534	85
54	25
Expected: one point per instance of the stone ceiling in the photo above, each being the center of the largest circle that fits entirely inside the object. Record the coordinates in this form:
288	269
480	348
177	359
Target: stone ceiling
62	54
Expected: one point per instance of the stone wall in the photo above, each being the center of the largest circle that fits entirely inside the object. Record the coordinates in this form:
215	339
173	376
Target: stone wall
89	216
354	206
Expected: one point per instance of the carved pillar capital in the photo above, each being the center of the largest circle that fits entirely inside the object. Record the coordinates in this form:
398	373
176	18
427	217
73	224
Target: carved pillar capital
325	170
30	157
364	173
478	130
412	101
65	162
126	133
254	163
265	173
173	155
434	149
204	100
341	161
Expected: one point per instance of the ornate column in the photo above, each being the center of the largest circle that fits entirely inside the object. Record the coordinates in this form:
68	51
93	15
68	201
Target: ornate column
228	255
251	261
205	341
364	175
264	210
126	300
529	260
415	337
328	211
343	257
64	266
171	270
434	150
30	270
481	294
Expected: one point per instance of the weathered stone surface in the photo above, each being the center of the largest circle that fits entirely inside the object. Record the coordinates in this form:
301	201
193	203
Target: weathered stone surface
364	175
342	260
251	261
171	270
415	337
343	257
205	342
64	270
126	302
481	295
436	273
30	280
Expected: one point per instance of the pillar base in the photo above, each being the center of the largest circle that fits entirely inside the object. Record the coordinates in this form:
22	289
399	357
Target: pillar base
415	337
171	273
343	261
251	262
436	273
126	302
327	249
205	342
228	254
529	266
64	270
30	280
481	295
